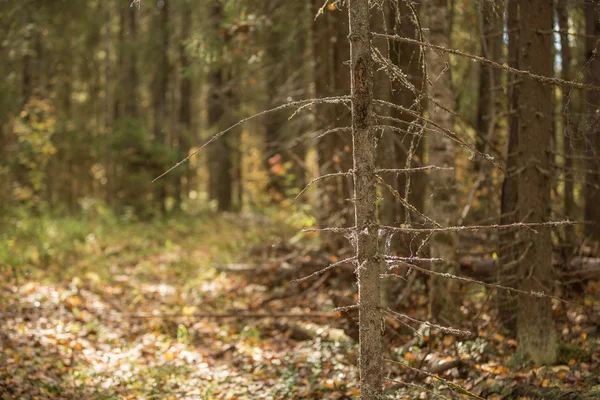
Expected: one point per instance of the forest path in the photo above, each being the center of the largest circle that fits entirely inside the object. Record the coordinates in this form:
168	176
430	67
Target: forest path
83	326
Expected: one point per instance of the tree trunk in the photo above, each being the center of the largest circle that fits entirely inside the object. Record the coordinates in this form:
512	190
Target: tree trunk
488	123
119	68
220	153
393	146
125	111
131	86
284	150
398	146
330	51
592	77
535	328
184	125
569	199
441	206
27	75
113	186
365	195
161	83
275	123
489	78
508	207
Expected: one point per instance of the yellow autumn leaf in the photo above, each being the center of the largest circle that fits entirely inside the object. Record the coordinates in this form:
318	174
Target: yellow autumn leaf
72	302
448	340
188	310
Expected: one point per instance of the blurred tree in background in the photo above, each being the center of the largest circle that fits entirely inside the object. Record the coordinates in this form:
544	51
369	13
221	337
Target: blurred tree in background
98	100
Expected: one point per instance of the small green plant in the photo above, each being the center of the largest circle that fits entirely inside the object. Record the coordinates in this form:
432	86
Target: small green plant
518	361
567	352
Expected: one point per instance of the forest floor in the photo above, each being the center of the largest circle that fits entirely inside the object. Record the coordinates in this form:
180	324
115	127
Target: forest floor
170	309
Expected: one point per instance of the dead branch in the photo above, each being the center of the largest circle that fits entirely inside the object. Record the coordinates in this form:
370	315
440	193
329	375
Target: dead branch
476	282
414	169
322	177
540	78
399	384
453	386
322	271
446	132
453	331
475	228
300	104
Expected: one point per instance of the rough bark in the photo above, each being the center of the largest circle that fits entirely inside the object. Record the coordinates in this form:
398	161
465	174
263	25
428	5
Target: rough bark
567	133
441	206
508	206
330	52
535	328
365	200
592	135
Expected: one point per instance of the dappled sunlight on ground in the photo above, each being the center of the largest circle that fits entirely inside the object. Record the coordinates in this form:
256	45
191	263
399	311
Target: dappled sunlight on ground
146	315
123	326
